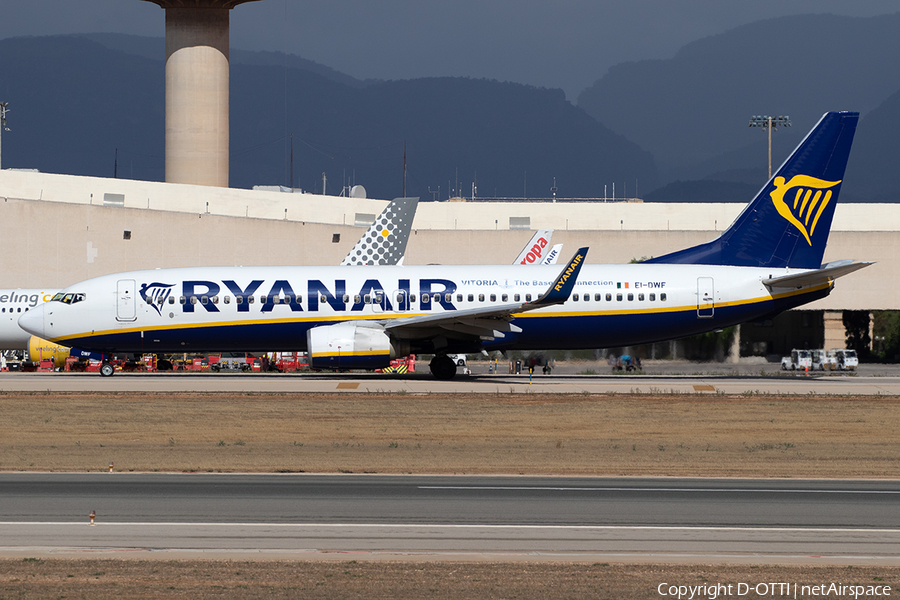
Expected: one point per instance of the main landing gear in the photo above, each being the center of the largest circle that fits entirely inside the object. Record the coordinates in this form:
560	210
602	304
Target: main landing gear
443	367
107	369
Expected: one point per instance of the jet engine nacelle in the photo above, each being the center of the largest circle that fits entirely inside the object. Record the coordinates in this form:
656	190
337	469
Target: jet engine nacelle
350	346
39	350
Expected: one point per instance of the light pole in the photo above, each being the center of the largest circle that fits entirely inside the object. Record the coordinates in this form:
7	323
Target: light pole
770	123
3	108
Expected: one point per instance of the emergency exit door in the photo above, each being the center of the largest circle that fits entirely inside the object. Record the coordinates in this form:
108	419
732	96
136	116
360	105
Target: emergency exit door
706	303
125	303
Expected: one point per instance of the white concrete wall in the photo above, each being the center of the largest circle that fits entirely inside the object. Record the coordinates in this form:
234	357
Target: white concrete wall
629	216
55	231
488	216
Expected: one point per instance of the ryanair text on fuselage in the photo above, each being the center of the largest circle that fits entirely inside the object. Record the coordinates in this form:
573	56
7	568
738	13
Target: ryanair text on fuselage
265	297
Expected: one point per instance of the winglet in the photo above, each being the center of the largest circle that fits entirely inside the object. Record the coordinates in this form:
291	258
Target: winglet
561	289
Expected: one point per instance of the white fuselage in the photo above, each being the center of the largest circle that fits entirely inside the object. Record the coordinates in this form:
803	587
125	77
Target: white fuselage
272	308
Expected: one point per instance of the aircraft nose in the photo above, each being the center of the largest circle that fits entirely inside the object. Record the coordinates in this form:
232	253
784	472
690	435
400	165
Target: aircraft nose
33	321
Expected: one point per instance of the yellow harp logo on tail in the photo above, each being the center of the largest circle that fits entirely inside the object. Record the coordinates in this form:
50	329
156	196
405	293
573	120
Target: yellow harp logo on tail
802	200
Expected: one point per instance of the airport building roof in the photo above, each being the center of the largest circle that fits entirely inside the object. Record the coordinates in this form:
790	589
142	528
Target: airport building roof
342	210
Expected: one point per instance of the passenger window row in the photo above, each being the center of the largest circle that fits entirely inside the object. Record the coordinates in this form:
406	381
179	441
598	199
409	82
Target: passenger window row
619	297
288	299
378	298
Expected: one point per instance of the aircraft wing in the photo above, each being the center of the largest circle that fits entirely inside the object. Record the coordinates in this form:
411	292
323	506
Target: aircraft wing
829	272
492	321
384	242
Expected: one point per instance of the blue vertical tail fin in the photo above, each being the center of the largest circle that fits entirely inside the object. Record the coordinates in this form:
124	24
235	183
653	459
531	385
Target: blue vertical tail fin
788	222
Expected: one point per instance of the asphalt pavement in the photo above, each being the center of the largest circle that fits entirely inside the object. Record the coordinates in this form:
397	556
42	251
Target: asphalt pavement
669	519
683	379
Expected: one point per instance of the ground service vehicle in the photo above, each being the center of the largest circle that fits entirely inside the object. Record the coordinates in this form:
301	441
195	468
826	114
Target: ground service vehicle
844	360
799	360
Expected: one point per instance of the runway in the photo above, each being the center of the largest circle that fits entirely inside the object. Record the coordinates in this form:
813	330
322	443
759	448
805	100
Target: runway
383	517
420	383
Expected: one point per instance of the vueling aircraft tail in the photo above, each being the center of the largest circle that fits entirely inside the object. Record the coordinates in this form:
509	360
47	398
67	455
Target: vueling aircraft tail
384	243
787	223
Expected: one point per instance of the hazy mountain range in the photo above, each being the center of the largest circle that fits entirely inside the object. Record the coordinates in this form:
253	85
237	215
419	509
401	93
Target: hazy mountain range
676	129
692	111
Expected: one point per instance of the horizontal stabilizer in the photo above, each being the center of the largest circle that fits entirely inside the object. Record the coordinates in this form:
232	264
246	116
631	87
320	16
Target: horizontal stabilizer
824	275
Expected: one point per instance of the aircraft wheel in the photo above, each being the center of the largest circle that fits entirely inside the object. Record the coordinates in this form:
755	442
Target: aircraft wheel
443	368
107	370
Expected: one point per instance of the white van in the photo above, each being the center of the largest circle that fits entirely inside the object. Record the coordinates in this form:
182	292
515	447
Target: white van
458	359
799	360
844	360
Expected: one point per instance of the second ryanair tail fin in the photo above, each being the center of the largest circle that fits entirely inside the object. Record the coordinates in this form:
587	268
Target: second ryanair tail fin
788	222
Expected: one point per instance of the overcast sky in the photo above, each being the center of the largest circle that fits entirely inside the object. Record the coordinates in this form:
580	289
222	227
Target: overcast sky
565	44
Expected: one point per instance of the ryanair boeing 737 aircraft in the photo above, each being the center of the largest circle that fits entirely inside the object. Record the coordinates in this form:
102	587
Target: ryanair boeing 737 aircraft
359	317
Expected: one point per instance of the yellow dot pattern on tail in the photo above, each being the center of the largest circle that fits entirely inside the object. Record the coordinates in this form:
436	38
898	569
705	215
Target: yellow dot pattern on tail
384	242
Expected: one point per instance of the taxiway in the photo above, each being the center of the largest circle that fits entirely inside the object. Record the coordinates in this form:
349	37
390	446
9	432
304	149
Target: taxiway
421	383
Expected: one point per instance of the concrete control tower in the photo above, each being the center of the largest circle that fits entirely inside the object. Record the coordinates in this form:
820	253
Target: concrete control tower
197	90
